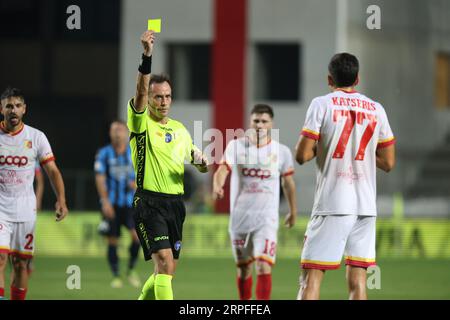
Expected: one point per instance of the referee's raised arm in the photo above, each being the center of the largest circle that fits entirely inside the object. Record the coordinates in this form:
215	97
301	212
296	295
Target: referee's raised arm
143	77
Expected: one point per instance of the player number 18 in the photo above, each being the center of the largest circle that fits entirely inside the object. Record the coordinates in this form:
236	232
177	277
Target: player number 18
270	247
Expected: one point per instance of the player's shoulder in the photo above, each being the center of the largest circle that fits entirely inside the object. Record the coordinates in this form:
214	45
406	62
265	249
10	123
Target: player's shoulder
362	96
104	150
325	96
319	102
230	143
282	148
237	144
32	131
377	105
240	142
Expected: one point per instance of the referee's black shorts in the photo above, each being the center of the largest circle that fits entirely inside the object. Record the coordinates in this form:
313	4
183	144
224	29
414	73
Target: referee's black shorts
158	221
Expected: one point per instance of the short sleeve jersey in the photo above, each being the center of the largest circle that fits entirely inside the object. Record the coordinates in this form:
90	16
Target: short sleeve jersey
255	182
159	152
119	173
349	128
19	154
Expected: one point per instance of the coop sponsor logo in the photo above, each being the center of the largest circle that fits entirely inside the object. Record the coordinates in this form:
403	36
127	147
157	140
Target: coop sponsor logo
256	173
18	161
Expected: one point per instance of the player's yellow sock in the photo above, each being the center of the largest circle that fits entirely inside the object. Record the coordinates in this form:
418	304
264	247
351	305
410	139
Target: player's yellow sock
163	287
148	290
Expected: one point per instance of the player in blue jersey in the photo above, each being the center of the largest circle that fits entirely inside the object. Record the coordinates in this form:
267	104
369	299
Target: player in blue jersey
114	178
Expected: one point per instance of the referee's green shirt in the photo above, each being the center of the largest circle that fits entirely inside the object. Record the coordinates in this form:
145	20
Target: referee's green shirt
158	151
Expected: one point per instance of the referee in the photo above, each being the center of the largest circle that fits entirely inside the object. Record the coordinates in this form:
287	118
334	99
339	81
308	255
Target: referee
160	146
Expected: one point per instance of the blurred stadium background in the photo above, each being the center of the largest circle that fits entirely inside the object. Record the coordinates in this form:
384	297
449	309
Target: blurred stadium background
224	56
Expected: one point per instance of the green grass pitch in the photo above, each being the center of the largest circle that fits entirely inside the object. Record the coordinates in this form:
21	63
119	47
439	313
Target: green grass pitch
214	278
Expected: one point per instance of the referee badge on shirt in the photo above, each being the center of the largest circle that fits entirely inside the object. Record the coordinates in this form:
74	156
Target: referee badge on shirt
168	137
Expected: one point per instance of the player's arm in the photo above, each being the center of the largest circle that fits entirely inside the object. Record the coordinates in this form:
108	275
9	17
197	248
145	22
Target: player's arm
288	185
386	158
56	180
385	153
143	77
131	175
100	183
219	178
39	189
305	150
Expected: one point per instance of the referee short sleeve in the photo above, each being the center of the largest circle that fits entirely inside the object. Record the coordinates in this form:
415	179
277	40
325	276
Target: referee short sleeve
136	120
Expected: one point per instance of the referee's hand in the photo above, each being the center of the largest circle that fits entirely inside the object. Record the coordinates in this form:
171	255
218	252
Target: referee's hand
61	210
108	210
147	39
199	160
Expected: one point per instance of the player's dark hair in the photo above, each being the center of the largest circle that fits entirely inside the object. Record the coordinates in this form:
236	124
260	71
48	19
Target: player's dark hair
160	78
12	92
263	108
343	68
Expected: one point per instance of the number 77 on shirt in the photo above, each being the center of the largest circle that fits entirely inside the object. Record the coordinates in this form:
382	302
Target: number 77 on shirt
352	117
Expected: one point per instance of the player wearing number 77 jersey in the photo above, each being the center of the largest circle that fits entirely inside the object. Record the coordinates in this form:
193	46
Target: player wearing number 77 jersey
350	136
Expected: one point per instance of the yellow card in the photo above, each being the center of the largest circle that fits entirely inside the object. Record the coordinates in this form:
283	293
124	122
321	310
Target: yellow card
154	24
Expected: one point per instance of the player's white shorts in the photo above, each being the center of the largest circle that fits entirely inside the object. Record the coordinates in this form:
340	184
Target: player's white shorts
17	238
260	244
329	237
